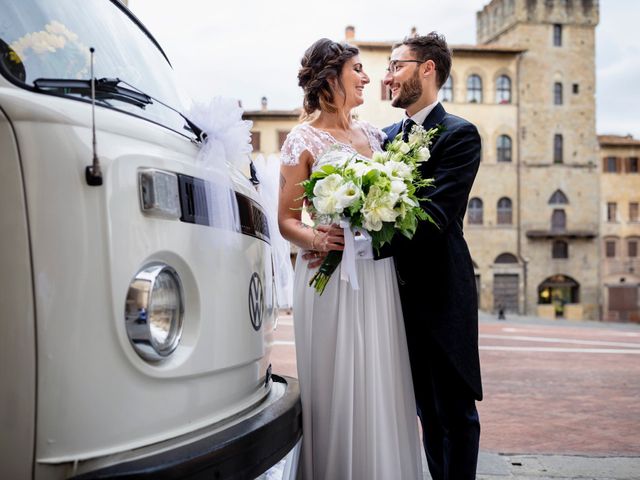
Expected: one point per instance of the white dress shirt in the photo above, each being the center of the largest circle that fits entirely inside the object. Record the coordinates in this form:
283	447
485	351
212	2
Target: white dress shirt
420	116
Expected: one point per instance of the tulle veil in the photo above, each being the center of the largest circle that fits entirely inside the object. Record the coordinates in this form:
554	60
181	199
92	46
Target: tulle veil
228	146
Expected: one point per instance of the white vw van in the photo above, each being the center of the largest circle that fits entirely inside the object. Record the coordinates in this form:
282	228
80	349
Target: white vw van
136	330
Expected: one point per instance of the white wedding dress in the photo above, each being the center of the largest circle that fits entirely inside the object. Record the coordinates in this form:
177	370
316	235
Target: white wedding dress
358	406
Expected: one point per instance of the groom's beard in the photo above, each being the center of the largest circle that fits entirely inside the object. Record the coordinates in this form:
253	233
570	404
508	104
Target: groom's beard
410	92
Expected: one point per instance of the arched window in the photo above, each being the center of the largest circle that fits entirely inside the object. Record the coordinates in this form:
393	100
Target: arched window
558	198
503	89
559	290
474	89
447	90
475	211
505	211
557	35
506	258
560	249
504	148
557	93
557	148
558	220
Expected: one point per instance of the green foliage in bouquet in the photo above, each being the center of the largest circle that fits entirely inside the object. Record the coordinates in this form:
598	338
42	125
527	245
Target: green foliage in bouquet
379	194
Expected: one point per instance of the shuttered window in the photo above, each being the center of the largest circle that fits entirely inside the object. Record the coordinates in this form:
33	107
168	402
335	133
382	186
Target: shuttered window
255	141
282	136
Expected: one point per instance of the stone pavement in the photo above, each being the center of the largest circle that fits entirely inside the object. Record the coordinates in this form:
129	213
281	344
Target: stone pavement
562	398
494	466
499	466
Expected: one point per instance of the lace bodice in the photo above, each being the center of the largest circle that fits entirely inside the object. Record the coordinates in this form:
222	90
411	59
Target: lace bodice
318	142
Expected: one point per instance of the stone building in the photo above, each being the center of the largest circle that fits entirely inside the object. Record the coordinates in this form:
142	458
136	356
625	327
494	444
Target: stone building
620	230
534	214
270	127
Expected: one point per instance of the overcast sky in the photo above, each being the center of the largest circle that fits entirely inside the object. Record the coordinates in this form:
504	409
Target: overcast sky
247	49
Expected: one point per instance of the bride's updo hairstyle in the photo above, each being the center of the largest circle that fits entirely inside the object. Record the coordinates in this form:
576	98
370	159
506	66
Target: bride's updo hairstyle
321	62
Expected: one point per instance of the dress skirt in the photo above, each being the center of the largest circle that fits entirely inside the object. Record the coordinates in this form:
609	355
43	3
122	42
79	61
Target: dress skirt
359	413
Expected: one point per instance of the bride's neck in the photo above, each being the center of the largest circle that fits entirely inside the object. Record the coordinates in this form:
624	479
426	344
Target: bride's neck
338	120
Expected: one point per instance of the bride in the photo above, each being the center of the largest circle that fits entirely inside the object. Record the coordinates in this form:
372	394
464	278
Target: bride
359	413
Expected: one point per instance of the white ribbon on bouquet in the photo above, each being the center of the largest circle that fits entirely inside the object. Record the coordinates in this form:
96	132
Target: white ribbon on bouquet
357	246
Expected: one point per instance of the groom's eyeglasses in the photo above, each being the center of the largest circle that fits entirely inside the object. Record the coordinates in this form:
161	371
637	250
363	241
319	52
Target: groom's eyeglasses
394	64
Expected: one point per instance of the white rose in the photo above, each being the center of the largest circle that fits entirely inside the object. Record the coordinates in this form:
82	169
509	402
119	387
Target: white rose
398	187
398	169
424	154
326	205
404	148
327	185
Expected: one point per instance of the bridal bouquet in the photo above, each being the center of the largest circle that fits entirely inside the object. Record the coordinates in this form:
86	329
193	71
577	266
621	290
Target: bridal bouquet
377	195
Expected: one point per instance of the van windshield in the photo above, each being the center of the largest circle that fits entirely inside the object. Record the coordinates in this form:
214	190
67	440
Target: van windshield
51	40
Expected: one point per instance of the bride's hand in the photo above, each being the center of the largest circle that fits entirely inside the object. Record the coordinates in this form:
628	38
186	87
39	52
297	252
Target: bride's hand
327	238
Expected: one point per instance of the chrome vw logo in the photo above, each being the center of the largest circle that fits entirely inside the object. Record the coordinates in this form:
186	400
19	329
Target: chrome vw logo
256	301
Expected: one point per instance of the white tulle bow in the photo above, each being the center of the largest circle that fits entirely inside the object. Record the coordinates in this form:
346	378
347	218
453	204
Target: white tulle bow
228	135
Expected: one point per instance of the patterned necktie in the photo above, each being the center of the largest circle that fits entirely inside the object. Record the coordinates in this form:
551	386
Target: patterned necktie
406	129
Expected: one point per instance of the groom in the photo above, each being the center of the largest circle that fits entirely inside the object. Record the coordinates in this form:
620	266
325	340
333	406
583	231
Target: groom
435	271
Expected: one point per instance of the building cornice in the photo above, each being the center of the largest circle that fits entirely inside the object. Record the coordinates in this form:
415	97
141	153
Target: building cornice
270	114
618	141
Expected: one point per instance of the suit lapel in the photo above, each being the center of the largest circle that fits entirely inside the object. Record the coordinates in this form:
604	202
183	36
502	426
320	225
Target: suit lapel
393	130
435	117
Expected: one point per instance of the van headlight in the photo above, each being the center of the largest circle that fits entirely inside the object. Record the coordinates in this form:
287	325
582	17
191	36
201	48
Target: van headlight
154	311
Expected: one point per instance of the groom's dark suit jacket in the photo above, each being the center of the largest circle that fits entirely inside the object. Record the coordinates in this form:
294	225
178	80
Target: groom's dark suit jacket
435	271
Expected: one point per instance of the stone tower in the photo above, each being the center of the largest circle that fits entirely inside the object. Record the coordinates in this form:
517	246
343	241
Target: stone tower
558	147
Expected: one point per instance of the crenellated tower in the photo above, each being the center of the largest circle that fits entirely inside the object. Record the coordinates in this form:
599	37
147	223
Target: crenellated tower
500	16
558	145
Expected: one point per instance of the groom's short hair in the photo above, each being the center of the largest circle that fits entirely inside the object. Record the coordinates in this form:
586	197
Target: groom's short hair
432	46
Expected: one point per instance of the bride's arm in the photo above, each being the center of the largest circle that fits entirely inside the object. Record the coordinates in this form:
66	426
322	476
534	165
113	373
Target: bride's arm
320	239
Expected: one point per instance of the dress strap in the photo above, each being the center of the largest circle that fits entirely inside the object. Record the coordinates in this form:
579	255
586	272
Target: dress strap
303	138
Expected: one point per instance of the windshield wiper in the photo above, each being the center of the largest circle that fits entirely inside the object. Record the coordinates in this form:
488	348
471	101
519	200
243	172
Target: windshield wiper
109	88
106	89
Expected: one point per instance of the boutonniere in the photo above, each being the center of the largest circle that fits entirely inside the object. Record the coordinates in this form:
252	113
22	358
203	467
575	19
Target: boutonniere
418	143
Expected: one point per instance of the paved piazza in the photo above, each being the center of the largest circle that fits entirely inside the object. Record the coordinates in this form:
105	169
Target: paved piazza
551	387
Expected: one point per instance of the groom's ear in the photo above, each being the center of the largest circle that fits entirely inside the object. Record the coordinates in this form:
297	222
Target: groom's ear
429	69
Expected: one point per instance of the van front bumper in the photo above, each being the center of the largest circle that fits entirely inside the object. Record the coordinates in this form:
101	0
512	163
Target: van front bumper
244	450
